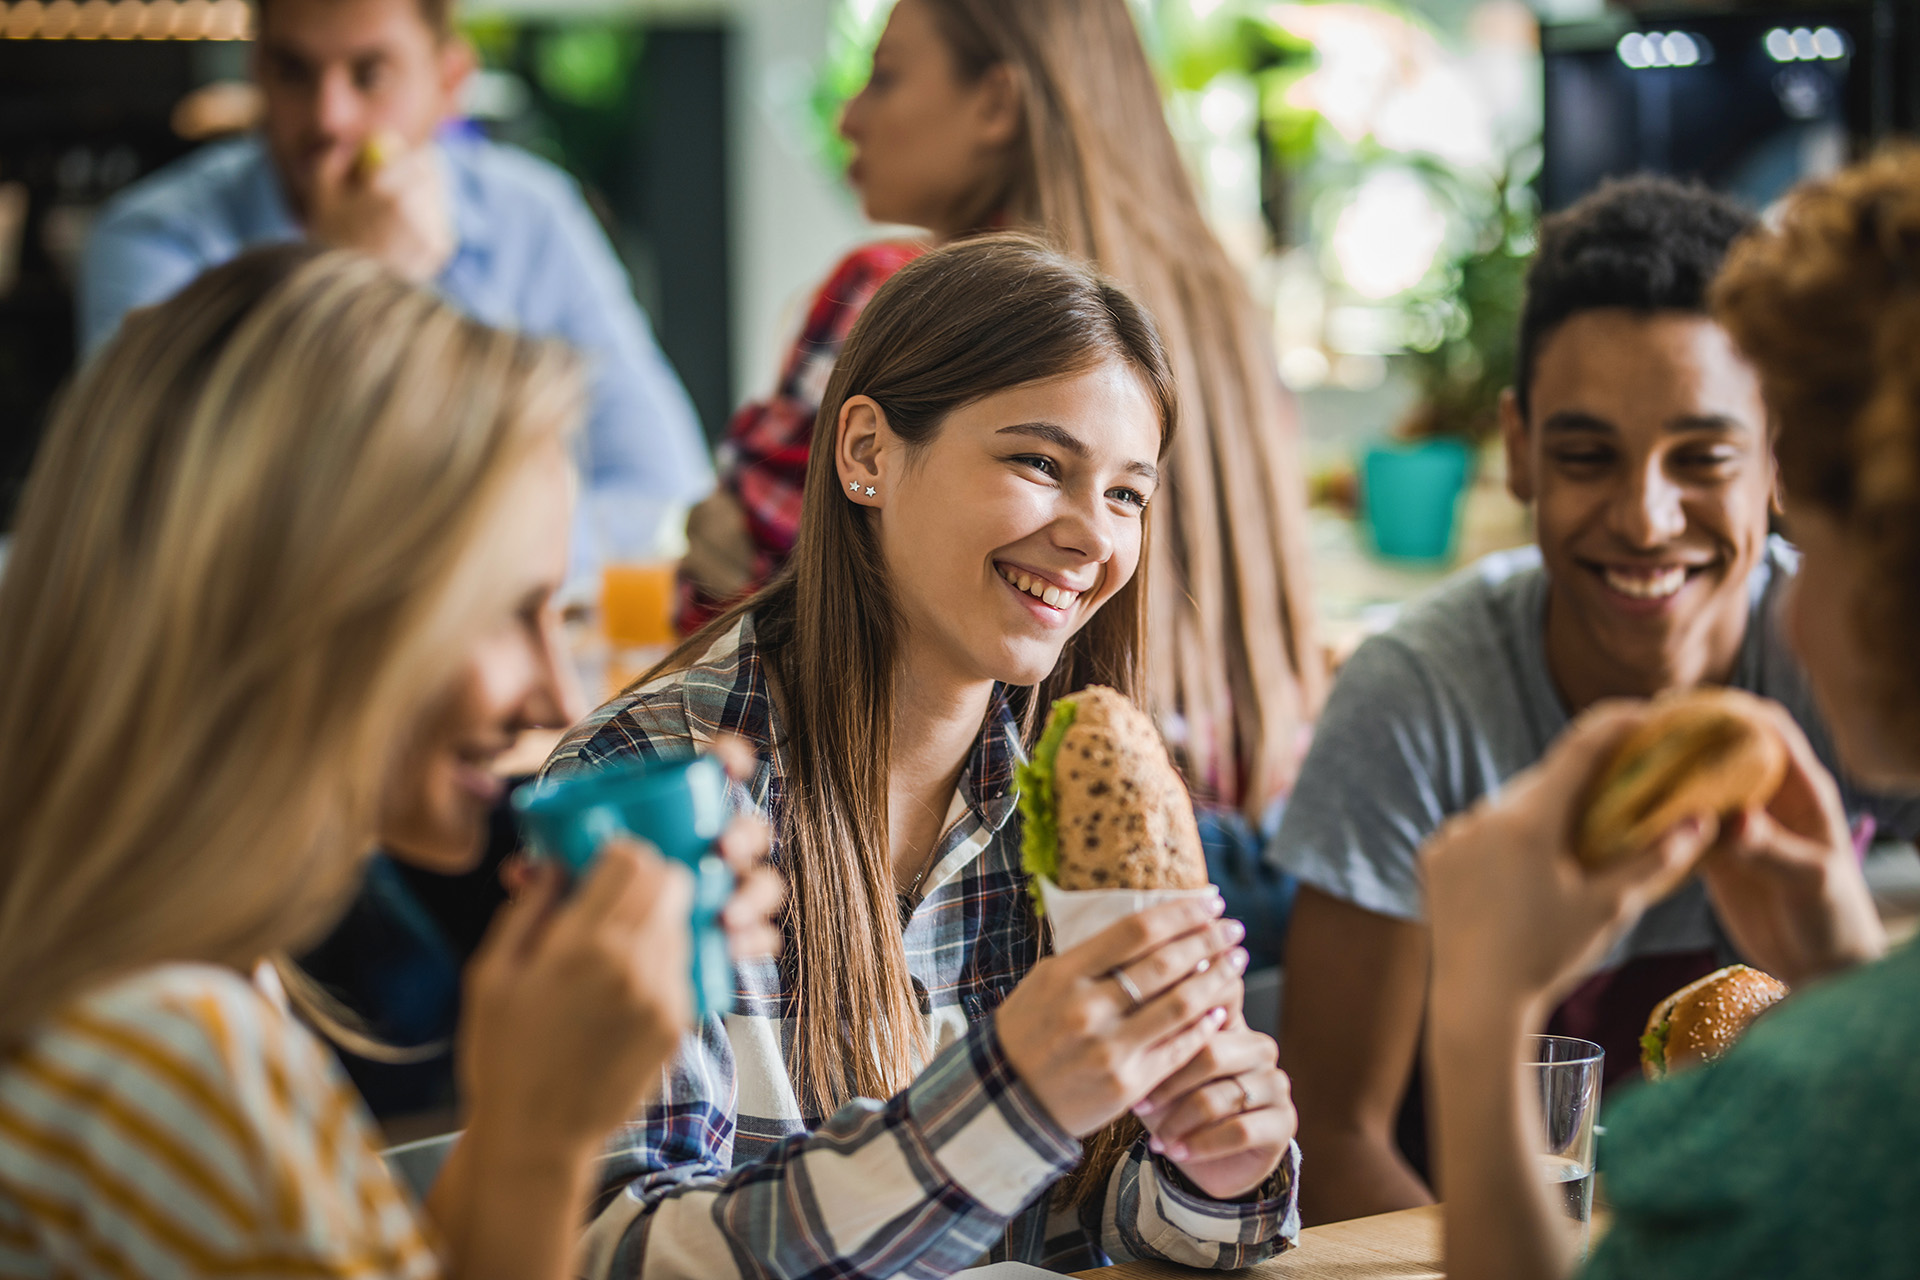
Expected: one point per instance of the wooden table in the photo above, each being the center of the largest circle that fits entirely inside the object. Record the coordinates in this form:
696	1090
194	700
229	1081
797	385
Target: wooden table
1391	1246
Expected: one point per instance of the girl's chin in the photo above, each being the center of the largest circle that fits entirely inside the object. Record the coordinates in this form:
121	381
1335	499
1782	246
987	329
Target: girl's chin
442	852
1026	664
447	837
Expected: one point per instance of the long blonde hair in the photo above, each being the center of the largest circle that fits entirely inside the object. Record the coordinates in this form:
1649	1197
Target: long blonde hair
1232	650
259	525
955	325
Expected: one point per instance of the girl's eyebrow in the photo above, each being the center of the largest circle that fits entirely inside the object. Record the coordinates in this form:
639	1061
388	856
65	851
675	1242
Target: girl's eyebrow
1055	434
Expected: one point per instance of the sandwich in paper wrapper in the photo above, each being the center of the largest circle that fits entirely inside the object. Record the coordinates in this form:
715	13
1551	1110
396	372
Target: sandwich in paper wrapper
1108	827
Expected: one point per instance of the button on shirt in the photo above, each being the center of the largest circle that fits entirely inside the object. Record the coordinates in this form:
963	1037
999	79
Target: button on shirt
529	257
726	1175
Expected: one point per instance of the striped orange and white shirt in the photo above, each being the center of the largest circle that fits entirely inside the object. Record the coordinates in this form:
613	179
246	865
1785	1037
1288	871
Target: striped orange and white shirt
179	1123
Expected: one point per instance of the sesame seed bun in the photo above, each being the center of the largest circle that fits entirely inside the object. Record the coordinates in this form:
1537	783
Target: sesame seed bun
1701	1020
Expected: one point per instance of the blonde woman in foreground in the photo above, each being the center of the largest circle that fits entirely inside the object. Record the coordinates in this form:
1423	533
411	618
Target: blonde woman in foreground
280	588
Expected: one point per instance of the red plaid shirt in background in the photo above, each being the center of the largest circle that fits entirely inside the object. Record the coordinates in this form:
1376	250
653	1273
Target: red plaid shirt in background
764	457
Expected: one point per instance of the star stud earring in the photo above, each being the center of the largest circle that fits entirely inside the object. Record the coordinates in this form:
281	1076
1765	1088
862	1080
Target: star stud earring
853	486
869	491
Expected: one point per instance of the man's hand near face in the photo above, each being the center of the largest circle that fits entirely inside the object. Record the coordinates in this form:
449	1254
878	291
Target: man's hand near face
388	201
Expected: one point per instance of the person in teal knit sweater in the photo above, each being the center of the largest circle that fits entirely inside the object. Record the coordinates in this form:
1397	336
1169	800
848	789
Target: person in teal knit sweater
1795	1154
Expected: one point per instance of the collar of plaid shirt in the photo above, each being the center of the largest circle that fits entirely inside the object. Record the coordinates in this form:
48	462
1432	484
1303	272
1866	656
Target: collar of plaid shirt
727	692
970	934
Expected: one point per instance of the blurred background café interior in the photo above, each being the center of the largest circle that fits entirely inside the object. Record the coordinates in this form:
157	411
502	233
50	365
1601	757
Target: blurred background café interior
1376	167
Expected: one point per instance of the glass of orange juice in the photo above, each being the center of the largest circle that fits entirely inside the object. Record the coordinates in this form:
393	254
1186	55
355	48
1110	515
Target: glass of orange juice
636	603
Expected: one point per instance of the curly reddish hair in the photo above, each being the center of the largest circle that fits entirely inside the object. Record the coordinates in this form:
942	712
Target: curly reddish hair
1825	302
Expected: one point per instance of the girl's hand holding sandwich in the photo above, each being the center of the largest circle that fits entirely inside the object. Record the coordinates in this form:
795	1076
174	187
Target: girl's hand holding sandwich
1144	1016
1226	1118
1785	880
1516	918
1074	1034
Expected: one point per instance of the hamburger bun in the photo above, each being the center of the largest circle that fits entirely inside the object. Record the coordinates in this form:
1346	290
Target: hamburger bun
1701	1020
1700	753
1103	794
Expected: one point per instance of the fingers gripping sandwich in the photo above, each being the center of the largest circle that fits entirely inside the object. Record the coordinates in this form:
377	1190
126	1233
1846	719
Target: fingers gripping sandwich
1701	1020
1103	806
1701	753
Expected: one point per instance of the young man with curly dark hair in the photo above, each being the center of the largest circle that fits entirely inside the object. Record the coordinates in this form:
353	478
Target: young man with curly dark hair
1636	434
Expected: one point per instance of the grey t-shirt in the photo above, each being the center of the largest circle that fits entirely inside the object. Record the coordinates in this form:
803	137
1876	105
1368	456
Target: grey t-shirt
1455	699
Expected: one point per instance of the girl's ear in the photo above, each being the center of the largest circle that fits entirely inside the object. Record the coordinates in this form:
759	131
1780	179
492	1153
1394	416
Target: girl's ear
859	450
1001	115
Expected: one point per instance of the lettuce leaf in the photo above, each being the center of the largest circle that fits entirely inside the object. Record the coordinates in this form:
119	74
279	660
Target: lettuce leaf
1039	822
1653	1047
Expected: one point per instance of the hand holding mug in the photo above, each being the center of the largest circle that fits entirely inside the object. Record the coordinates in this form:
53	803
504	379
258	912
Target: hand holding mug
576	1004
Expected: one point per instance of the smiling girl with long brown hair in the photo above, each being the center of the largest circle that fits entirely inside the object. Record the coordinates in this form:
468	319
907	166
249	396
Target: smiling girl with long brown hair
903	1092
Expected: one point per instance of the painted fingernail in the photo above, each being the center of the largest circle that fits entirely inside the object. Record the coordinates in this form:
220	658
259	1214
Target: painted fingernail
1217	905
1178	1151
1238	960
1203	966
1217	1017
1153	1145
1144	1107
1235	931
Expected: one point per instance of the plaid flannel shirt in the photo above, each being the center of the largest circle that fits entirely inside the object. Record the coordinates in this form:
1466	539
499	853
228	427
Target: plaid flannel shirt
763	461
725	1175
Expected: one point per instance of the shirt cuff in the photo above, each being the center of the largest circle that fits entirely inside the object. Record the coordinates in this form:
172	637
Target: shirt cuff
984	1129
1275	1213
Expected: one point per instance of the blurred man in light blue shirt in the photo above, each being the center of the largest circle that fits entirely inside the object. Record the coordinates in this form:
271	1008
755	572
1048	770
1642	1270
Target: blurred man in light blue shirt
355	151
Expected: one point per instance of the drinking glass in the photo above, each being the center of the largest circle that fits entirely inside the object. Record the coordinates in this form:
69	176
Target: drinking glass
1567	1074
640	543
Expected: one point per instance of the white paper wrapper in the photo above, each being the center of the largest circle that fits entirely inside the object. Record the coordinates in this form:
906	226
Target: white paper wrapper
1078	914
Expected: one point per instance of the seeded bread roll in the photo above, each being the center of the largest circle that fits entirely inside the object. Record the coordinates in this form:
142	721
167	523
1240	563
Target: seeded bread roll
1102	804
1701	1020
1701	753
1125	818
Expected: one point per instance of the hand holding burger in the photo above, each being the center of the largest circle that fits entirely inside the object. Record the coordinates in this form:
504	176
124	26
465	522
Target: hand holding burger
1517	918
1702	754
1786	879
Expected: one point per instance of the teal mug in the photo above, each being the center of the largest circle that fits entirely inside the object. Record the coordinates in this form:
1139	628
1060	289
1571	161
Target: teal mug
679	807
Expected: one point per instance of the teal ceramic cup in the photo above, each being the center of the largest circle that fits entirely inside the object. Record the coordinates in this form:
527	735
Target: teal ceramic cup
679	807
1411	496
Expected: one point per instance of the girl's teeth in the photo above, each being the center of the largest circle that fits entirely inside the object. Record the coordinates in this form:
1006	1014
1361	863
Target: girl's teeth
1039	590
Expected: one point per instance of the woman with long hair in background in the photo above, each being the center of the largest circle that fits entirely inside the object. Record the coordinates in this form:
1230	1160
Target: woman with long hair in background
282	587
903	1092
1044	116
